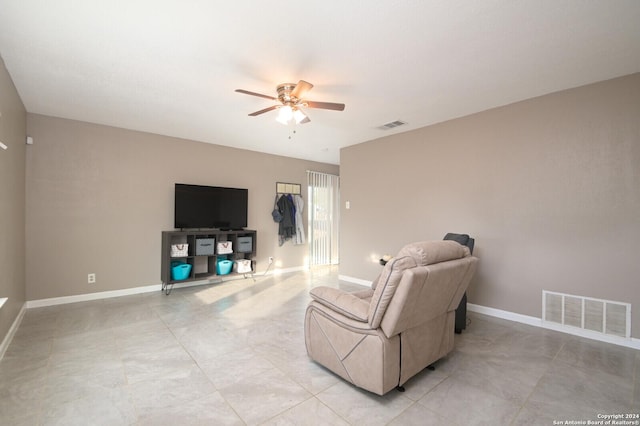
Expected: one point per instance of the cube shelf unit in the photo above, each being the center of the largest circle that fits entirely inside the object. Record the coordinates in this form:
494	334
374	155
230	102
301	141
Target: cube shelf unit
203	259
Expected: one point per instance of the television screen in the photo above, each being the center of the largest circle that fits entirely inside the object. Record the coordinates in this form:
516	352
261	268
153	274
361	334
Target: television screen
199	206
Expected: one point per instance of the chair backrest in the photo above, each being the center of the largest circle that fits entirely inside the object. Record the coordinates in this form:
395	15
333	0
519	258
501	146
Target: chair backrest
423	281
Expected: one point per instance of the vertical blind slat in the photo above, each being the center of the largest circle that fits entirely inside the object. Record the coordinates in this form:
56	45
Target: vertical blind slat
324	211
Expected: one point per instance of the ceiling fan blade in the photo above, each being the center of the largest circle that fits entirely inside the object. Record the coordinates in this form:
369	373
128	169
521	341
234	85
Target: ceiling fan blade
301	89
260	95
262	111
325	105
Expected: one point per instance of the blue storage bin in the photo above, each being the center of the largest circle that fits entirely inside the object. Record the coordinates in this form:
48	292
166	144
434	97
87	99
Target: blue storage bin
223	267
180	272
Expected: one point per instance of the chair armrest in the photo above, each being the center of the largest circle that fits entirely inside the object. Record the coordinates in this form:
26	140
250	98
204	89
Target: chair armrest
340	301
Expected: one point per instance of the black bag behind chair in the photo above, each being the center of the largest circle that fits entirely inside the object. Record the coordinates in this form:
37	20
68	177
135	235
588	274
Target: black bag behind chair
461	311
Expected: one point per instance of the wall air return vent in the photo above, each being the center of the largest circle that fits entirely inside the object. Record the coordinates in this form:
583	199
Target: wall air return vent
392	125
592	315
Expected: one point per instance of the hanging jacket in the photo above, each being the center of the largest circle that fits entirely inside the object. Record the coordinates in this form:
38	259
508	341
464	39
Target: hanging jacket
298	202
287	226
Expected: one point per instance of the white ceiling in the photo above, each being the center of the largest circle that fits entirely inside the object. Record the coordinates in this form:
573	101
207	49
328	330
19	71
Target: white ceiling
171	67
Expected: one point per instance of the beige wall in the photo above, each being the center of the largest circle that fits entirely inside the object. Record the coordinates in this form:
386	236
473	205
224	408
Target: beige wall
13	129
98	198
549	187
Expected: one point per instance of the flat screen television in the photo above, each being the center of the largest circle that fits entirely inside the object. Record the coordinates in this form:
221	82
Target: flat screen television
198	206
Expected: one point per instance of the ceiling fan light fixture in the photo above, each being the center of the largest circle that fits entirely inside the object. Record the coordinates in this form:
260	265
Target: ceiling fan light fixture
284	115
298	115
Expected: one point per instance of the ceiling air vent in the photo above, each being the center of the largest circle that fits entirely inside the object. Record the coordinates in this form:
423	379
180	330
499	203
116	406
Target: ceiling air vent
392	125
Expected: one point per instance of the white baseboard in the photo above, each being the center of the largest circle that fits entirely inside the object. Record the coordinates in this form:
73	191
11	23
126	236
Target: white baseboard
12	331
511	316
145	289
537	322
92	296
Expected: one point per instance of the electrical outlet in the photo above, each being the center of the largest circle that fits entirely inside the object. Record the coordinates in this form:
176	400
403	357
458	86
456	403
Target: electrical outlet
270	260
91	278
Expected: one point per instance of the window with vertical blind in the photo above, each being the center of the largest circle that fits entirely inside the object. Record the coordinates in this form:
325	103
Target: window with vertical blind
324	218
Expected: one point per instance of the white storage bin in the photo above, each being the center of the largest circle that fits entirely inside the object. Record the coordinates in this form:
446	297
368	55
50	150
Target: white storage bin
242	266
179	250
225	247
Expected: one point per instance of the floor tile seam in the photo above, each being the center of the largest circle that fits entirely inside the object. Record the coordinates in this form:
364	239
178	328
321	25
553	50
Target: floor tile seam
195	362
493	395
200	368
312	396
517	413
332	410
450	421
129	350
323	389
293	379
126	377
202	397
458	375
273	367
446	375
172	405
136	409
127	387
123	366
231	407
537	385
526	402
419	401
328	406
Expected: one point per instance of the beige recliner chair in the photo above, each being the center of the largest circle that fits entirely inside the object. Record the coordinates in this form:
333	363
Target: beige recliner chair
379	338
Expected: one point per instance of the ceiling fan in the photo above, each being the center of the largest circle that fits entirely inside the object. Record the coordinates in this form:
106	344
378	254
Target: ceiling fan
291	98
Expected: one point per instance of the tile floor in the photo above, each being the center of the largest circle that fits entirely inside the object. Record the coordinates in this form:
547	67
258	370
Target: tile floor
233	354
